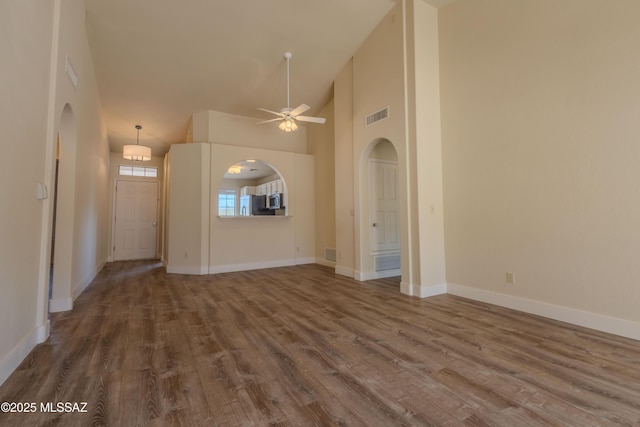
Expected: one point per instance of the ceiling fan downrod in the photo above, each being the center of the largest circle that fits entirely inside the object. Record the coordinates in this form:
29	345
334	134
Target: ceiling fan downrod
287	57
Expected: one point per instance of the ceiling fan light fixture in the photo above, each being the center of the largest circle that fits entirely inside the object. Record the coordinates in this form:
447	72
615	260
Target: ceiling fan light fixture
288	116
137	152
288	125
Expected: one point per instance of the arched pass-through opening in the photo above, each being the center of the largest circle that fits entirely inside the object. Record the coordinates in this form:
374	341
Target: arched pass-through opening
252	187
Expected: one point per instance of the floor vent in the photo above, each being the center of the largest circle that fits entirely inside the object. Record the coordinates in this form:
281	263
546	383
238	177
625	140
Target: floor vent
387	262
330	254
377	116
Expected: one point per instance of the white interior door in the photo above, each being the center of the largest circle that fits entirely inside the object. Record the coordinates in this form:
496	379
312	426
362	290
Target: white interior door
136	220
385	227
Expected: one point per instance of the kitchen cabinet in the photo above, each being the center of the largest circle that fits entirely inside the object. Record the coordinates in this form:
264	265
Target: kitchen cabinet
268	188
247	190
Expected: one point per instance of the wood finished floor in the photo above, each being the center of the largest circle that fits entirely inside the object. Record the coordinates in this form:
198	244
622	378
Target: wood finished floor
299	346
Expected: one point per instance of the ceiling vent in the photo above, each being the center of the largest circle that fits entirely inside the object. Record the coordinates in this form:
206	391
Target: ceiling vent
376	117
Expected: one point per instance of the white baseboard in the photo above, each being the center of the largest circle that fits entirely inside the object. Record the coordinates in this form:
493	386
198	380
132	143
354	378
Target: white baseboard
20	351
229	268
308	260
325	262
57	305
82	285
590	320
194	270
345	271
422	291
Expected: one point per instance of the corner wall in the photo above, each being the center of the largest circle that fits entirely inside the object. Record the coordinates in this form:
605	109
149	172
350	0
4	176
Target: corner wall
321	143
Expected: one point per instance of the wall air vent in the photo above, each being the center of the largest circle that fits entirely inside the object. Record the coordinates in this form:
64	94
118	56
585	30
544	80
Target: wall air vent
330	254
387	262
376	117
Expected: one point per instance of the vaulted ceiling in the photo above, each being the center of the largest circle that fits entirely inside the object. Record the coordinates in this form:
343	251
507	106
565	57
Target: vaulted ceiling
159	61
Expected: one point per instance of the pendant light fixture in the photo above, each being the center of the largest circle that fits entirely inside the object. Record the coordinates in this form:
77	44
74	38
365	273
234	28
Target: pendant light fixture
137	152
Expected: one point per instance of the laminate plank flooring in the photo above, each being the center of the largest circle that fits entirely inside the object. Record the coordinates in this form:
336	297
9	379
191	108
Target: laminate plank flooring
300	346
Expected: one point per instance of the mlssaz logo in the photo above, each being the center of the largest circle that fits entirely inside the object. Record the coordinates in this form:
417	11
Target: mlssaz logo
63	407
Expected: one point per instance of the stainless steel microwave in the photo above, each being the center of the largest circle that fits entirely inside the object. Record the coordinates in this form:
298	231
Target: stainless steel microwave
275	201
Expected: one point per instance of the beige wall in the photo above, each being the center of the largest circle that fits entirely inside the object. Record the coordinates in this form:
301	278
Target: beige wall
425	140
378	82
344	178
187	215
396	67
241	243
24	83
231	129
35	91
256	242
91	209
321	143
540	144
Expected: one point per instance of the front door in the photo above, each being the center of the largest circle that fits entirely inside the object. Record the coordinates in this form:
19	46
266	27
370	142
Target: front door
385	227
136	220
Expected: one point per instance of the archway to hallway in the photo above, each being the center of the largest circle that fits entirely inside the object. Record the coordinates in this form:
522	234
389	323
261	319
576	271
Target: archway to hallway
62	235
55	208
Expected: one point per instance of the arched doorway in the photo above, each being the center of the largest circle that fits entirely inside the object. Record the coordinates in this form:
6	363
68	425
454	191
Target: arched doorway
380	212
62	214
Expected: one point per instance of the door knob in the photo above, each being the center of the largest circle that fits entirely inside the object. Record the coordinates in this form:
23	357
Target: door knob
154	223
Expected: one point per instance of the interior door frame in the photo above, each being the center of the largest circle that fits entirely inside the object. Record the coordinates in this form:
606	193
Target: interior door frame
114	207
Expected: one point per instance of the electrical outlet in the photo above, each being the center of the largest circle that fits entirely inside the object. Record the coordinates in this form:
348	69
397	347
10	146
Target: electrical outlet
511	278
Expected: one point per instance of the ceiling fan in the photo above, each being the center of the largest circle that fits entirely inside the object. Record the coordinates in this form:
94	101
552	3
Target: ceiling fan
288	115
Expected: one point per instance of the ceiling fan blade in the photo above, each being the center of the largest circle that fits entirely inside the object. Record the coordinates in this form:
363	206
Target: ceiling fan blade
299	109
272	120
320	120
272	112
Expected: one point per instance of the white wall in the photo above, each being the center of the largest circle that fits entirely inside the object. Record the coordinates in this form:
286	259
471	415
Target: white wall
35	91
540	146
